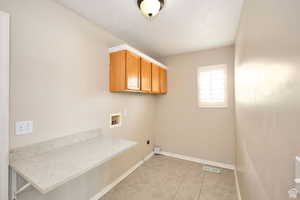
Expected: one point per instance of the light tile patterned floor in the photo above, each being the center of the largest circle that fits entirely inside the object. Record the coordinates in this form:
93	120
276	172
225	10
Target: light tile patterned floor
165	178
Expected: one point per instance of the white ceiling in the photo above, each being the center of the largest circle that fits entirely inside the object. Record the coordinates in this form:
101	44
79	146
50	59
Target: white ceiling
182	26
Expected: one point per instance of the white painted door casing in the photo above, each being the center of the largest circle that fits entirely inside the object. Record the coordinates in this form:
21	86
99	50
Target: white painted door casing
4	104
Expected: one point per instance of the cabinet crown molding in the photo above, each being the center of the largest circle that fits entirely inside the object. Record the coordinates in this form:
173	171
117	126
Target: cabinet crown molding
139	53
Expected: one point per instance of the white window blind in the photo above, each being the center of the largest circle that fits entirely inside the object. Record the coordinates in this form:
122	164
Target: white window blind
212	86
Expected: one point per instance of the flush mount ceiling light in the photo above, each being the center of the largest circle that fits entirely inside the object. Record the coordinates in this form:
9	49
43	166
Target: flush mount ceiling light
150	8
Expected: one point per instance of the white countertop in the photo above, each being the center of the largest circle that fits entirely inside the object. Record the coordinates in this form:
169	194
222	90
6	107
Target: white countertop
46	170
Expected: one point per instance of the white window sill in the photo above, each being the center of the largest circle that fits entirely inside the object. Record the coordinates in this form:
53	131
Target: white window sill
222	107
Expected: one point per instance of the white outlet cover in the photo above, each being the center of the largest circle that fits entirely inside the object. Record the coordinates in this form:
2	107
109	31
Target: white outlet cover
297	173
24	127
293	193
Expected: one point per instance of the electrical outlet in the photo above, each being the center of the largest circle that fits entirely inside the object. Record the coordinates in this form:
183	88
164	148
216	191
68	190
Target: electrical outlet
24	127
293	193
148	141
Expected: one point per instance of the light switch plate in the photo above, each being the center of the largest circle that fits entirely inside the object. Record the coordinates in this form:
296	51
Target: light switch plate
24	127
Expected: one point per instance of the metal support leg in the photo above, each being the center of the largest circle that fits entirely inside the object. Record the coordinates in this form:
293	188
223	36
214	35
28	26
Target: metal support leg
24	187
13	185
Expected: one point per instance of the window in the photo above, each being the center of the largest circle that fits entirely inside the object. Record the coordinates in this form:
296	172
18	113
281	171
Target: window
212	86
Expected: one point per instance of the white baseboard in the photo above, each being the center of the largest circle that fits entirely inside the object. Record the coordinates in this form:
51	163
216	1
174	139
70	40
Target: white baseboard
193	159
238	191
198	160
208	162
148	156
118	180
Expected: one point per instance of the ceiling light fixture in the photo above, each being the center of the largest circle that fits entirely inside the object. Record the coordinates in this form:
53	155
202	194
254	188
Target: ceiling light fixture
150	8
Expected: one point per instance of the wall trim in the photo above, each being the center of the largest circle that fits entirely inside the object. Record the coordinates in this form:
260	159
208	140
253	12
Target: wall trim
4	104
238	191
130	48
198	160
208	162
107	188
148	156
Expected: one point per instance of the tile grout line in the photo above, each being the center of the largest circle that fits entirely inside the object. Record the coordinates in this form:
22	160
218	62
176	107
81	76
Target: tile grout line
201	186
179	185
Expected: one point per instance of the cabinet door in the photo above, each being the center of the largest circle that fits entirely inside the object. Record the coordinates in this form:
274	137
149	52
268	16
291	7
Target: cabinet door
163	81
145	75
155	79
117	71
132	71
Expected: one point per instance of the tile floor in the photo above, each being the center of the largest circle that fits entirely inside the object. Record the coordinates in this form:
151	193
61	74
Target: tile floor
165	178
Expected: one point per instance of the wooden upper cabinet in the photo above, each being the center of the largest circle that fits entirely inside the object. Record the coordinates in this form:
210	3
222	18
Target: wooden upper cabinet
133	66
155	79
163	81
124	71
146	76
117	71
131	73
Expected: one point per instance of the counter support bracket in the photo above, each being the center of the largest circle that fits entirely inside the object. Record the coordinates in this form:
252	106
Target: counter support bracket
13	185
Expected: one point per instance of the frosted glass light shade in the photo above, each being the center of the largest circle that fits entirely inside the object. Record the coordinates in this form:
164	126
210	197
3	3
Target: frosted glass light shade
150	8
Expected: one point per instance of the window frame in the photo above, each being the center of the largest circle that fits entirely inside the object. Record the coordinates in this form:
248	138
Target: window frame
213	104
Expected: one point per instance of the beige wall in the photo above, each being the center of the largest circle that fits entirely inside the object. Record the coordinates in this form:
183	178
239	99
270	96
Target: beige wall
267	98
184	128
59	79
